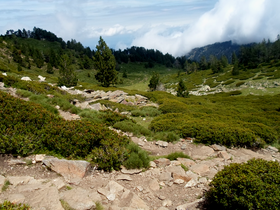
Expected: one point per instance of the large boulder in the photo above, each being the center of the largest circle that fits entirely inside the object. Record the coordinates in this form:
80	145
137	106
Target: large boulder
72	170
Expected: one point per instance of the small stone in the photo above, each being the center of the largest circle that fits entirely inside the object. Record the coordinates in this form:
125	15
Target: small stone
124	177
167	203
154	185
153	164
161	197
139	188
179	181
183	147
191	183
224	154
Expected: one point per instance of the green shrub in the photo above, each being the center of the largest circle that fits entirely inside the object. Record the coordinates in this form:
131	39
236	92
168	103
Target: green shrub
167	136
251	185
35	129
239	84
228	82
129	126
7	205
146	112
136	157
175	155
172	106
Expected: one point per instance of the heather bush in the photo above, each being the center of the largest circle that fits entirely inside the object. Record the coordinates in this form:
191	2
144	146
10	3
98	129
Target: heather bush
136	157
129	126
7	205
175	155
167	136
251	185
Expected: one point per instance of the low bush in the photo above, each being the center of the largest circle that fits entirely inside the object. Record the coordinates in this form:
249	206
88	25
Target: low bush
129	126
136	157
7	205
239	84
228	82
175	155
27	127
146	112
172	106
167	136
251	185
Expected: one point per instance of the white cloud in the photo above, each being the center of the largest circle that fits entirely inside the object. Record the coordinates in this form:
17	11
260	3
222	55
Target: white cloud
242	21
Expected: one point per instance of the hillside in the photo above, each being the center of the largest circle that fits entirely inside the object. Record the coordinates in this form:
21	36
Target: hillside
128	125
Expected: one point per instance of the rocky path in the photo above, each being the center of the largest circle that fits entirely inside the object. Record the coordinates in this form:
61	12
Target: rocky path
49	183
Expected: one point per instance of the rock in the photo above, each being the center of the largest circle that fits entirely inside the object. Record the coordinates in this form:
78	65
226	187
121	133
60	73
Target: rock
16	198
42	79
273	149
79	199
175	169
218	147
46	198
59	183
26	79
179	181
162	162
162	208
154	185
200	168
202	152
110	196
153	164
224	154
165	176
191	183
180	177
139	188
16	162
190	206
183	147
5	74
161	197
137	203
124	177
16	180
167	203
40	157
131	171
2	181
57	107
203	180
72	170
163	144
96	106
186	162
114	187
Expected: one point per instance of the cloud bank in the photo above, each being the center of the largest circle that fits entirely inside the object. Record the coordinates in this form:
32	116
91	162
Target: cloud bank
242	21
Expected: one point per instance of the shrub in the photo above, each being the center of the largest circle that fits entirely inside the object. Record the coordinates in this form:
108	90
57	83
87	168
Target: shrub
172	106
167	136
251	185
34	129
136	157
129	126
175	155
239	84
228	82
146	112
7	205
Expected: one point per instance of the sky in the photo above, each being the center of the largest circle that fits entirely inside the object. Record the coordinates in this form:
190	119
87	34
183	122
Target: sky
173	26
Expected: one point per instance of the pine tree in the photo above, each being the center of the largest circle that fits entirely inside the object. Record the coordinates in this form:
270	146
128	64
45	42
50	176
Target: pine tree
182	89
66	72
154	81
105	64
124	74
50	68
235	70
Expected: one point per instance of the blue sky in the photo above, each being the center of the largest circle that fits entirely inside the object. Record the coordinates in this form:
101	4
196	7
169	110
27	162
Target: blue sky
174	26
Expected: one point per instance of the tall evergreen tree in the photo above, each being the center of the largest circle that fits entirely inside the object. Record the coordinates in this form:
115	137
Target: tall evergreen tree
105	64
154	81
67	75
235	70
182	90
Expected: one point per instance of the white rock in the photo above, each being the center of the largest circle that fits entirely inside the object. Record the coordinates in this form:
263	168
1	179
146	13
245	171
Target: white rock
5	74
42	79
191	183
26	79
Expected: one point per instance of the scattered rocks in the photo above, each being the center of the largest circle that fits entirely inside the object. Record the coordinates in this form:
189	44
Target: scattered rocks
162	162
163	144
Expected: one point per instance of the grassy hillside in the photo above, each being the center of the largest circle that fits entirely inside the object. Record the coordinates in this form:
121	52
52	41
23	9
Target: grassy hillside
245	113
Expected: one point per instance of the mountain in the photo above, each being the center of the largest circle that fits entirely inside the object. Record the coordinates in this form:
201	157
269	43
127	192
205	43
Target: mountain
217	49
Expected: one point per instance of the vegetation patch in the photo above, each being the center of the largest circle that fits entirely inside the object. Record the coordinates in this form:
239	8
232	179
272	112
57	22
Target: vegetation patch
7	205
251	185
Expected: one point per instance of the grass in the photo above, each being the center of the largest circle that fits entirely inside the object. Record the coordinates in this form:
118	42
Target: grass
6	185
65	205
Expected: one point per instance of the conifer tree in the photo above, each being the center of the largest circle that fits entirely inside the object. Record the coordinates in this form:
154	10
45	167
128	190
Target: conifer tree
154	81
105	64
67	77
182	89
235	70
